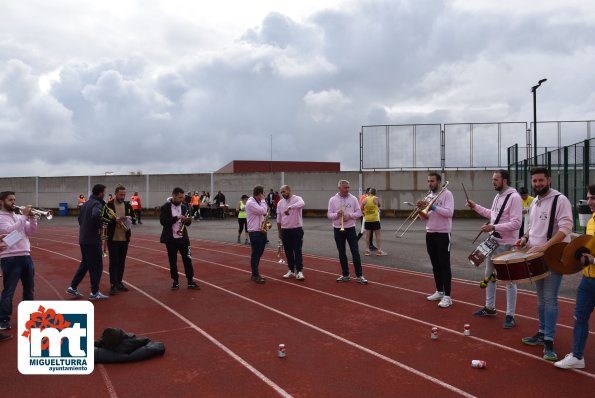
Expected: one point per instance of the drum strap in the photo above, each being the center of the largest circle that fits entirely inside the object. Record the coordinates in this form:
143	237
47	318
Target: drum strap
550	229
497	220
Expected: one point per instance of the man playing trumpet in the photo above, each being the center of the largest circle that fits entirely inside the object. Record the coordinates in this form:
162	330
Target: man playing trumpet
119	218
343	210
15	258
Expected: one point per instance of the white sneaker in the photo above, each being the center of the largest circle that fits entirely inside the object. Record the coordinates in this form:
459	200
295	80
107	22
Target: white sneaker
445	302
288	275
436	296
570	362
300	276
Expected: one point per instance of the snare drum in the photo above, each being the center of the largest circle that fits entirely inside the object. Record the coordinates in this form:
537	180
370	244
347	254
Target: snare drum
520	267
486	248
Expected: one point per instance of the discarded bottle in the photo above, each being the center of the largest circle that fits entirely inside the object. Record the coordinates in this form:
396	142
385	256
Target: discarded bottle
434	334
477	363
281	351
467	329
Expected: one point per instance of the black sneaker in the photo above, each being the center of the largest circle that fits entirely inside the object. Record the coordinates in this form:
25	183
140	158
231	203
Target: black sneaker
122	288
113	290
509	322
193	286
485	311
5	325
258	279
534	340
548	351
175	286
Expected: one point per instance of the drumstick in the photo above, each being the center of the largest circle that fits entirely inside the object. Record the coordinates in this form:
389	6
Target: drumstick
464	190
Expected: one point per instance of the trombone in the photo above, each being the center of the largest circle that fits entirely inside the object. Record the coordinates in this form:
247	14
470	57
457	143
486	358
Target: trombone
38	213
109	215
415	213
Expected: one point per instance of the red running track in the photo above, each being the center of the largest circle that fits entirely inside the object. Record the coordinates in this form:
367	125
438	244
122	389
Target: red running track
343	340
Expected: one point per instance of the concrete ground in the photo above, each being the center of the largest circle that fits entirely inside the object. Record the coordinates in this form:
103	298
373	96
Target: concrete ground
408	252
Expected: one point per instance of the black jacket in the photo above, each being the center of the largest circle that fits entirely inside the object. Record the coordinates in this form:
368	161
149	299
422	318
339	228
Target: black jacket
111	226
167	220
90	221
116	345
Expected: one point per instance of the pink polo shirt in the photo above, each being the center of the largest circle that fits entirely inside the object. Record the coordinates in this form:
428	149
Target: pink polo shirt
295	204
539	214
15	222
509	224
255	212
351	209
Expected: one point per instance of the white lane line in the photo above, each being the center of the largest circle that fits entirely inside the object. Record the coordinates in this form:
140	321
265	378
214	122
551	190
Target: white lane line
216	342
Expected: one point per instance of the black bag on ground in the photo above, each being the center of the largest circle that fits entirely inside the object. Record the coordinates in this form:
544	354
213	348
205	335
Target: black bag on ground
116	345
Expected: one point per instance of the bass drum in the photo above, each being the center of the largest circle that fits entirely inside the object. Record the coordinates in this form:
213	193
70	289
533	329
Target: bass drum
519	267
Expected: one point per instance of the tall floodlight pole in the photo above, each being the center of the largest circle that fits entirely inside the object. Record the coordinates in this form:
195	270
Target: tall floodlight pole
534	91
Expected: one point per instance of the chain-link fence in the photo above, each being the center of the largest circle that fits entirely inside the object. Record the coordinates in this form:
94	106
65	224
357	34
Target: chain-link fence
437	146
570	168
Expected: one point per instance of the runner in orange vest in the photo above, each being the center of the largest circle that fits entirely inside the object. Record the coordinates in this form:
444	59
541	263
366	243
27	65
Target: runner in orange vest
136	208
195	202
81	200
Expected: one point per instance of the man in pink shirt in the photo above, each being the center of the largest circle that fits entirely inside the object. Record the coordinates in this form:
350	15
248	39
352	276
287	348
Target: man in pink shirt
438	228
343	210
291	231
551	222
15	259
505	222
256	209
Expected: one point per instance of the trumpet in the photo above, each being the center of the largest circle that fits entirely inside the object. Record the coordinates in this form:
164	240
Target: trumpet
180	231
109	215
38	213
103	237
281	253
414	215
342	209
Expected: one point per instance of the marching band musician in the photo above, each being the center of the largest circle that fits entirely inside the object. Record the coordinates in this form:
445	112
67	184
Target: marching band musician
343	210
90	222
15	260
438	228
291	231
3	246
551	222
118	238
585	300
505	221
174	217
256	209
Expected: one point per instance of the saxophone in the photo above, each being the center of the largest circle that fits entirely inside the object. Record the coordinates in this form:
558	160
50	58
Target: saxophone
266	225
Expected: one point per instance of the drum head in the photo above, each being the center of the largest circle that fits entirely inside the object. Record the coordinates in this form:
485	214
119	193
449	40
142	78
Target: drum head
515	256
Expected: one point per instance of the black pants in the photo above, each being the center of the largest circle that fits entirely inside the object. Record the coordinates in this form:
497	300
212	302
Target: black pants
438	245
182	246
243	224
137	215
293	240
342	238
117	260
93	262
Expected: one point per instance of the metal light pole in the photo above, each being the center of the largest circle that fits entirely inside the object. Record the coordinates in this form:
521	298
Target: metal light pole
534	91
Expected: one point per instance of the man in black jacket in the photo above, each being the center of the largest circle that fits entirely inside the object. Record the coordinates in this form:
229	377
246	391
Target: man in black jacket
90	222
118	213
175	217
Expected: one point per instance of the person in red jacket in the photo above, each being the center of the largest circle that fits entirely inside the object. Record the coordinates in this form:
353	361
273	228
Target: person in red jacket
136	208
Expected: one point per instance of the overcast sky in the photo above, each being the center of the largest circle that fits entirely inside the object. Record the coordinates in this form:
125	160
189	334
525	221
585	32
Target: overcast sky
182	86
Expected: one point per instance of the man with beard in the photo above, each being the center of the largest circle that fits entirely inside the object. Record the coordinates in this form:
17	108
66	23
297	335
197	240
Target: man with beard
256	209
175	217
118	238
15	259
505	221
550	222
438	228
291	231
